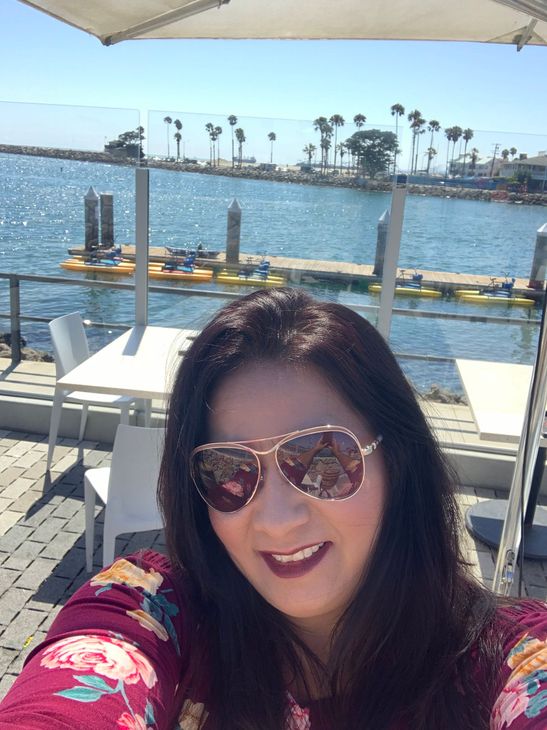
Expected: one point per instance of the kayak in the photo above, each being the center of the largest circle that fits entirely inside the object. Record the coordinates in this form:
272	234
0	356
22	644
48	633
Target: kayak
409	291
486	298
121	268
227	277
155	271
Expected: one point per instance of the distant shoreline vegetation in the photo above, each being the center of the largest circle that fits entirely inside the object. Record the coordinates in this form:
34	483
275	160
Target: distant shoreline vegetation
256	172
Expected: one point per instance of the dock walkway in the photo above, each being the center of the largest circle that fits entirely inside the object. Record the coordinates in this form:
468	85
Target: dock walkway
307	270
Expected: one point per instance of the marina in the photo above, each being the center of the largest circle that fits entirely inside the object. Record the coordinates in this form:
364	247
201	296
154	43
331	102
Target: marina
321	238
298	270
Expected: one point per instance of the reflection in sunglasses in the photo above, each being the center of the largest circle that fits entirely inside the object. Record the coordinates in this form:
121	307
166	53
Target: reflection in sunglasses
323	464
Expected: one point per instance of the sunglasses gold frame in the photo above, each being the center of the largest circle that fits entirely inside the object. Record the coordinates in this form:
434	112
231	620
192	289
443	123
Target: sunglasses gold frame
280	440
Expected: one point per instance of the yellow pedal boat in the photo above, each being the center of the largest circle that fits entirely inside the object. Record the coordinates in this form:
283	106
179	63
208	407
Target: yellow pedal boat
487	298
409	291
78	263
463	292
227	277
156	271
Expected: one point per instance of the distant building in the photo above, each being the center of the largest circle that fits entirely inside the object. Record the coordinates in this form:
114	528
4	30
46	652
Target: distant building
533	169
482	167
267	166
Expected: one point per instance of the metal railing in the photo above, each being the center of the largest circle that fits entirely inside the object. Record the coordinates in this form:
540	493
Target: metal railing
15	316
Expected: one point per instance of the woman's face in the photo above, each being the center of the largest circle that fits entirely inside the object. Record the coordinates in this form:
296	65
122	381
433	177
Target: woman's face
266	399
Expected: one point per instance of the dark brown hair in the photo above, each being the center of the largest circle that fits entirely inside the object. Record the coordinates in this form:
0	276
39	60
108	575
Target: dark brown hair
400	650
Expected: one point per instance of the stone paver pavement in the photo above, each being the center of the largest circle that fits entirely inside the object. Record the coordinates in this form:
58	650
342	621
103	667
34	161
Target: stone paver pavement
42	559
42	552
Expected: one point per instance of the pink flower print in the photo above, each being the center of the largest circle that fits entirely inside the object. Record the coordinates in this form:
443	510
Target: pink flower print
298	718
511	703
128	722
107	656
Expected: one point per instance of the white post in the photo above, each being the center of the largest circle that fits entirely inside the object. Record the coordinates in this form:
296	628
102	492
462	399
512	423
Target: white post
142	194
392	255
517	503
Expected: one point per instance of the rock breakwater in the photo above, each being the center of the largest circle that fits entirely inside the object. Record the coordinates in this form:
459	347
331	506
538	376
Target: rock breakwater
285	176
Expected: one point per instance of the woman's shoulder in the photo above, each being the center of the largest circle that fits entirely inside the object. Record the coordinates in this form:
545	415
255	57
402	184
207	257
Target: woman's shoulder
522	700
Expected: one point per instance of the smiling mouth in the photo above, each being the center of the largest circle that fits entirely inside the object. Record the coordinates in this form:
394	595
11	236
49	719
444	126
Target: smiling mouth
300	555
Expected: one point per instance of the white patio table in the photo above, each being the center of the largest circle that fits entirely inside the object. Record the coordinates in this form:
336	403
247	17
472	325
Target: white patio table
141	362
497	394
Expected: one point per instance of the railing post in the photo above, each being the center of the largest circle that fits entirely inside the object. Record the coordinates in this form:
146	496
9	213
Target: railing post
15	317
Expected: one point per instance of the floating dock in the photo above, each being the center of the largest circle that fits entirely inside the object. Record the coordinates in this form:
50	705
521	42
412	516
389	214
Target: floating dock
309	270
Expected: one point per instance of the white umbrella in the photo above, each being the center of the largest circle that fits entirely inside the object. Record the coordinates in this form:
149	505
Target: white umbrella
493	21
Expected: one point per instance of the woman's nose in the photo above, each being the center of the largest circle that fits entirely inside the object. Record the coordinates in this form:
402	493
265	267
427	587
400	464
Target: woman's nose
279	507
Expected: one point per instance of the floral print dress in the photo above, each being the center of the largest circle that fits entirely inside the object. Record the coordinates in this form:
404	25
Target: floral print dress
114	655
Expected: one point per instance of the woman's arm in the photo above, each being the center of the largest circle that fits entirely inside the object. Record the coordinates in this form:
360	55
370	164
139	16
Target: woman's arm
112	658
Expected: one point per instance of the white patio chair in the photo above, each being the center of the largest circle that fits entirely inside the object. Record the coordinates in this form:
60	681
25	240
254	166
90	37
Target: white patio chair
127	488
70	348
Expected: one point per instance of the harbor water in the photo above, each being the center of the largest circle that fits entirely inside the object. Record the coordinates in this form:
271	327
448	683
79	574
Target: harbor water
41	216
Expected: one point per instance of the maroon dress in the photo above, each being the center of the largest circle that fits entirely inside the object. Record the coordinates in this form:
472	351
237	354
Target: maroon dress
116	652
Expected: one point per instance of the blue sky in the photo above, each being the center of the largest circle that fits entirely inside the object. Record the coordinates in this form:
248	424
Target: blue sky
482	86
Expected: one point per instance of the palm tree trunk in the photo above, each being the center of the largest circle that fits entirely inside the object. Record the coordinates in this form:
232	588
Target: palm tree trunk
428	157
464	158
412	153
397	135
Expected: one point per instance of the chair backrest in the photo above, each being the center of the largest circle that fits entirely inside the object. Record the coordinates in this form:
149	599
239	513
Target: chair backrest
69	341
134	471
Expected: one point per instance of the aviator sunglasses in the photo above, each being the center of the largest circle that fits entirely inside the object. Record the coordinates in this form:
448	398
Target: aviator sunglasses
324	462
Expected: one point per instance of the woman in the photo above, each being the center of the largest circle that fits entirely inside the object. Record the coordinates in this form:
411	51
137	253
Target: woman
285	607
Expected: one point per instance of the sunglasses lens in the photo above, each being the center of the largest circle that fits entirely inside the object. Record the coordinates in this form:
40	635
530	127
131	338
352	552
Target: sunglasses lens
225	477
327	465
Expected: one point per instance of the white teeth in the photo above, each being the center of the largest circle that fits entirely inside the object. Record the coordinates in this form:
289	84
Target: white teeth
300	555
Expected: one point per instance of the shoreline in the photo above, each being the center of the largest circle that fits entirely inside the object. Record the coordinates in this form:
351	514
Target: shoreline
297	178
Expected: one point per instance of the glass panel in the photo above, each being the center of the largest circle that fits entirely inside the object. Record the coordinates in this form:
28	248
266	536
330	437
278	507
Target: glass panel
319	220
301	211
50	157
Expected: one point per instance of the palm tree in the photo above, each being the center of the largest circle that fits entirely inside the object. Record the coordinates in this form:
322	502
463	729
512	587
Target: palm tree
416	121
337	120
474	158
309	150
513	152
218	132
272	137
359	120
325	147
505	155
457	132
240	136
342	149
418	126
431	152
178	135
209	128
448	135
168	121
232	121
432	126
397	110
467	136
322	126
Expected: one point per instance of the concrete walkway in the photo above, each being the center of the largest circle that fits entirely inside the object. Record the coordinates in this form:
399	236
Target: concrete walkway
42	559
